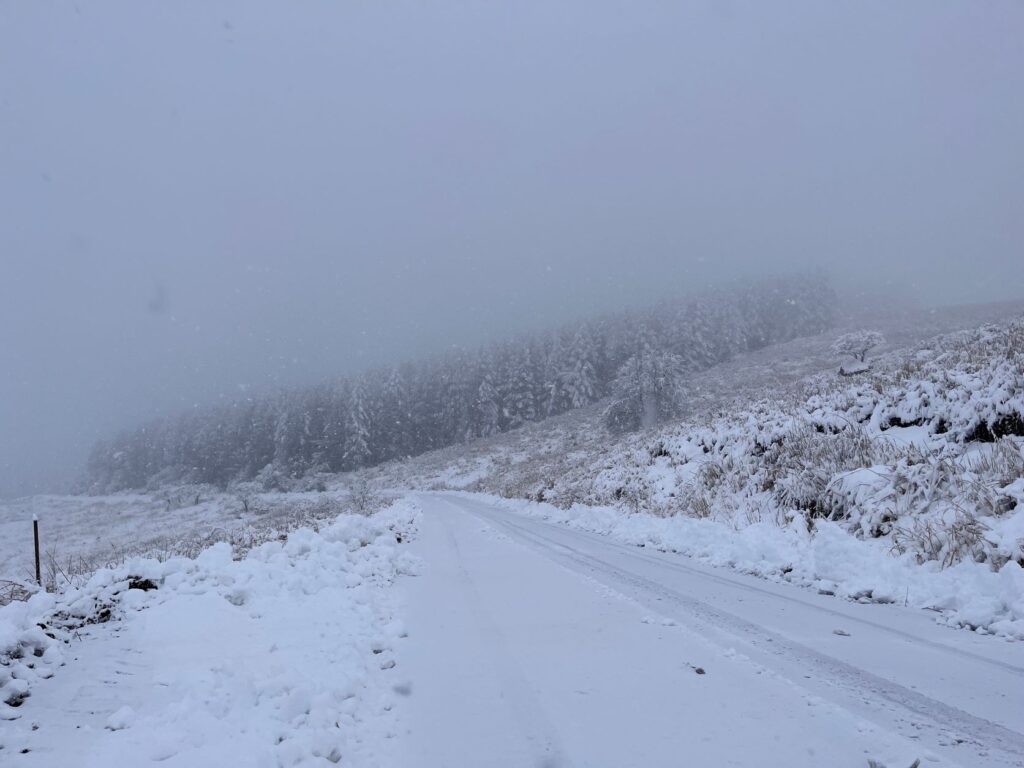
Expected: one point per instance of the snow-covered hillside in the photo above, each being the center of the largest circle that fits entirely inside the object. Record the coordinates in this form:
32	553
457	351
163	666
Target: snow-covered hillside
260	627
416	406
905	483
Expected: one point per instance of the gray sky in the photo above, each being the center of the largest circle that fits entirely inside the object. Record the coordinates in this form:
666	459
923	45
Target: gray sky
199	198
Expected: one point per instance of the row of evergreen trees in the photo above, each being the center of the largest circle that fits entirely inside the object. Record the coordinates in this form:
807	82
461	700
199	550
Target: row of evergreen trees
400	411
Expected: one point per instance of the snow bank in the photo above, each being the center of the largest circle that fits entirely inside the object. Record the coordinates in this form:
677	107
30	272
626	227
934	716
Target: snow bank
273	659
969	595
27	653
81	534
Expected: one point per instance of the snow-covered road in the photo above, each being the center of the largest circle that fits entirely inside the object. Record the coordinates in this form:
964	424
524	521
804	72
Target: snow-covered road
534	645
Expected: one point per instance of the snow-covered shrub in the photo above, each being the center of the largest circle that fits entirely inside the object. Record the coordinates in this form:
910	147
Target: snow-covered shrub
311	482
1004	464
922	455
271	478
362	498
800	466
949	539
12	590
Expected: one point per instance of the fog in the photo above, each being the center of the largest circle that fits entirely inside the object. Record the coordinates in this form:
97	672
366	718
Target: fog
204	199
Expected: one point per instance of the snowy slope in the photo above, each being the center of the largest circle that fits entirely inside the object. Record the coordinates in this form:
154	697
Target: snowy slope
517	462
902	484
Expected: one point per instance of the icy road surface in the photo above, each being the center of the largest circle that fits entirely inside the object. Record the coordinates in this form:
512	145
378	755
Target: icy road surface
534	645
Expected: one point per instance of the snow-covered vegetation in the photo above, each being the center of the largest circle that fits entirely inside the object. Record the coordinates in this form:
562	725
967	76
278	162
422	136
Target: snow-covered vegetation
926	452
404	410
918	466
857	344
80	534
225	641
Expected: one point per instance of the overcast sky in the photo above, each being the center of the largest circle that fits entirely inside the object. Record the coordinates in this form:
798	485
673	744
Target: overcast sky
201	198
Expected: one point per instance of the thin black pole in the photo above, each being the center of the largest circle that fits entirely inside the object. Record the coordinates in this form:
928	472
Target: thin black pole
35	532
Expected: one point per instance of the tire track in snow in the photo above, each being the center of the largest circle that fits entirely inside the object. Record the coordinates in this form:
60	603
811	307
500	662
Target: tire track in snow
537	728
914	715
638	553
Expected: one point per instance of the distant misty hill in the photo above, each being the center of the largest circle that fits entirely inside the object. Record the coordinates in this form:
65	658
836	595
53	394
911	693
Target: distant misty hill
638	358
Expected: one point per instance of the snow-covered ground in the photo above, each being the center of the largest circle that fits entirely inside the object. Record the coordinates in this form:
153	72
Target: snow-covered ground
448	630
904	484
82	533
658	599
827	560
534	645
283	657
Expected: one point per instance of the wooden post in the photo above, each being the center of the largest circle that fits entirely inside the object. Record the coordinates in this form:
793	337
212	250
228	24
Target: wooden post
35	533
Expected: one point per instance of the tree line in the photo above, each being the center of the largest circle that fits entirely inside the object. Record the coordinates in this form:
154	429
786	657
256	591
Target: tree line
636	358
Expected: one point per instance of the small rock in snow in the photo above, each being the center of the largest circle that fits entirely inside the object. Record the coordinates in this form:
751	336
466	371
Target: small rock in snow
840	632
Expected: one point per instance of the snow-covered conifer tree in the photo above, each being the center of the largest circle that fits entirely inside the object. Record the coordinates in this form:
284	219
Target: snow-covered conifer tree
357	428
646	390
487	408
519	403
580	376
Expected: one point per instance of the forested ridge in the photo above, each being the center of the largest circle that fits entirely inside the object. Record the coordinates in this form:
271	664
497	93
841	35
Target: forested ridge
392	412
